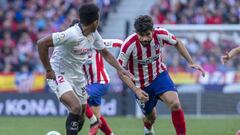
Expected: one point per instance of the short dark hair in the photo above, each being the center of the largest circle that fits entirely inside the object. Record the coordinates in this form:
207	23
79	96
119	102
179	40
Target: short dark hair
74	22
88	13
143	23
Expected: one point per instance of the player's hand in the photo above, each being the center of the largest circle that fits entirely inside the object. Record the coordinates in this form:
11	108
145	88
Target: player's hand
198	67
123	72
225	58
50	75
142	95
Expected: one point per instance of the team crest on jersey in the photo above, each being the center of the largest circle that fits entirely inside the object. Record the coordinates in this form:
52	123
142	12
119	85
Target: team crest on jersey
60	37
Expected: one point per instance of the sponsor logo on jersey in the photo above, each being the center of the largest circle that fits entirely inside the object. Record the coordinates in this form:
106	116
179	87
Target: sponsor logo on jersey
148	60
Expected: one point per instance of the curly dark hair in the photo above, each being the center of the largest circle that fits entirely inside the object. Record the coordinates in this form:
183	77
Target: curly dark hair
143	23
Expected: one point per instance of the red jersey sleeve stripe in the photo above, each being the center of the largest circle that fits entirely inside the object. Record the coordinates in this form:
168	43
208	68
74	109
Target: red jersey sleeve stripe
117	45
129	43
174	37
120	62
157	52
162	32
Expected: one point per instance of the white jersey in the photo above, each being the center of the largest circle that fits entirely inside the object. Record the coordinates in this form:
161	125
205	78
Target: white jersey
71	50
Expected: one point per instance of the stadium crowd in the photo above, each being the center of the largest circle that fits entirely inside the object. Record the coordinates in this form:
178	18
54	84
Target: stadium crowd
22	22
196	11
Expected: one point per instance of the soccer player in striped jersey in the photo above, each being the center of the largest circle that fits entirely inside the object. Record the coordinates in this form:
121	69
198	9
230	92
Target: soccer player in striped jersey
141	54
98	85
229	55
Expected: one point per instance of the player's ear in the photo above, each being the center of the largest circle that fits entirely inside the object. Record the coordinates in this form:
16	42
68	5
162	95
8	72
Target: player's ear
95	24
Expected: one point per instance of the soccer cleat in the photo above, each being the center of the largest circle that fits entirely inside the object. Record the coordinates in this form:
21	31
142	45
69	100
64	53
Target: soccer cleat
94	128
149	132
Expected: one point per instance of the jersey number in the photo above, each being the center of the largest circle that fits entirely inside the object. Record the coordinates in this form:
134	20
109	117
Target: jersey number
60	79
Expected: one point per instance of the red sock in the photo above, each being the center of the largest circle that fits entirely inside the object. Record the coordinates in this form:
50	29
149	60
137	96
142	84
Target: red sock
148	125
88	112
104	126
179	122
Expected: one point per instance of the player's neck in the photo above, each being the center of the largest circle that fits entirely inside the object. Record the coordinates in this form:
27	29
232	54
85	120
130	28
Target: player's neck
86	30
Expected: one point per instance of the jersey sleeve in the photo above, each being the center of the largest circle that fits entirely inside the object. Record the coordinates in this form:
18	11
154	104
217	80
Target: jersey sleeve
165	36
98	43
63	38
126	50
113	43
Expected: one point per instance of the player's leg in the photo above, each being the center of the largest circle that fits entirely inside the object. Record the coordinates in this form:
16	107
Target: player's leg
166	91
96	91
149	120
149	110
90	115
75	117
172	100
68	97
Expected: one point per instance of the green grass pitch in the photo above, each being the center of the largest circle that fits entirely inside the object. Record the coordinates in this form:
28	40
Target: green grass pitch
120	126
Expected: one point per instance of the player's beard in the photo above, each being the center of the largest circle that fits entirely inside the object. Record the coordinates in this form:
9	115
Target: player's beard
146	43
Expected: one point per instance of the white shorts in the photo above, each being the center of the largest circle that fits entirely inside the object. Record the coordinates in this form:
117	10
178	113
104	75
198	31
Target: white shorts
61	85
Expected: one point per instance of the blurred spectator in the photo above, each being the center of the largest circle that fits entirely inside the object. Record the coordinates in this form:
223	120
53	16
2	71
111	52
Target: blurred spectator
196	11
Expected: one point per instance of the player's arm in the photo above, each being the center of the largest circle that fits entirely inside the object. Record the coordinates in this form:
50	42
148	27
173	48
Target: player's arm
229	55
43	45
99	45
184	52
123	60
110	59
55	39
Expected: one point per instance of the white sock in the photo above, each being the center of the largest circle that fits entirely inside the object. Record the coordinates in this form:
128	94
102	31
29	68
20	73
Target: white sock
93	119
146	130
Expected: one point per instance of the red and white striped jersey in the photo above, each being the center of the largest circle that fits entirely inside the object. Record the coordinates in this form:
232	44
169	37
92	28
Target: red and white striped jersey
145	63
94	67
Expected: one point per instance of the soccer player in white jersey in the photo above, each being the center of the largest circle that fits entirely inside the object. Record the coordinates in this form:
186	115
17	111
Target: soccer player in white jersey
71	50
229	55
98	85
141	54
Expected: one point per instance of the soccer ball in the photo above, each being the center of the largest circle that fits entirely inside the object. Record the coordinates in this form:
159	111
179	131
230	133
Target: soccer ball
53	133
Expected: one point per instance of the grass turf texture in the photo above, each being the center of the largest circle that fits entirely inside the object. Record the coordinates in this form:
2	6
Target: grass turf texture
120	126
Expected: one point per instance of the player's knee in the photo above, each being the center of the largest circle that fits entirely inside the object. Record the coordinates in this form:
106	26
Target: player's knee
76	109
175	106
151	118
